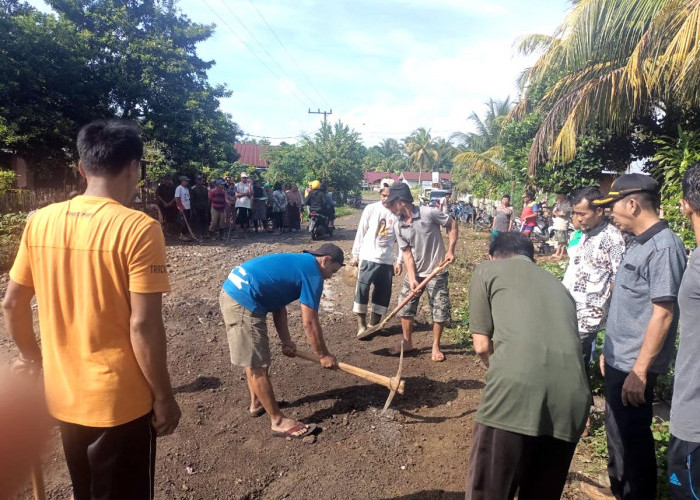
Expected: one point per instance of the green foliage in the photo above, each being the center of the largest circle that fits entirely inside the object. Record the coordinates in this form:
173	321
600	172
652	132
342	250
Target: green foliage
7	180
556	268
287	164
673	157
11	227
460	333
135	60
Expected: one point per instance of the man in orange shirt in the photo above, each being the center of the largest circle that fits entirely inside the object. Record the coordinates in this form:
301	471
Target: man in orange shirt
98	271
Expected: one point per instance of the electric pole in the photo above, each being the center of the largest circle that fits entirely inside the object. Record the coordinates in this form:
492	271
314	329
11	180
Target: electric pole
319	112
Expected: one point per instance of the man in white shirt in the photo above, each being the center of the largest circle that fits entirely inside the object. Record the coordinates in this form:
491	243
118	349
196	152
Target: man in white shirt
444	204
244	193
374	251
182	197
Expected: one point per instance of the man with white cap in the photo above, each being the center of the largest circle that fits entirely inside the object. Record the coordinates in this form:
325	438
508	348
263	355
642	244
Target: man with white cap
373	251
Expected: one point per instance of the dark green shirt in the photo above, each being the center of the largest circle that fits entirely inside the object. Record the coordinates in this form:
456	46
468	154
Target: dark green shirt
536	383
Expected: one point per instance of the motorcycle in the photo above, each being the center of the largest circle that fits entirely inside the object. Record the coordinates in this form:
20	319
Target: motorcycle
355	201
318	226
483	222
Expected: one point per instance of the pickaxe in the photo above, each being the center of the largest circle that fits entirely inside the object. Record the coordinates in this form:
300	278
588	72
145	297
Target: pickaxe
395	384
371	329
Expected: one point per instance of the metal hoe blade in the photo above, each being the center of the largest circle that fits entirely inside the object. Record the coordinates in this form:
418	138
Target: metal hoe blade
395	381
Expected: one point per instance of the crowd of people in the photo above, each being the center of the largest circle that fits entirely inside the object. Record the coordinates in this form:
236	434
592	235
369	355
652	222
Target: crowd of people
98	270
225	209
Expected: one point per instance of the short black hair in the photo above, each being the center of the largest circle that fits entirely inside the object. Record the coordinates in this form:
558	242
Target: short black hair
691	186
277	186
647	200
106	147
505	196
530	195
510	244
587	193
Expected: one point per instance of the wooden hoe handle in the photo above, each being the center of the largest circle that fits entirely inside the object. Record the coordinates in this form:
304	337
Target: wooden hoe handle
388	382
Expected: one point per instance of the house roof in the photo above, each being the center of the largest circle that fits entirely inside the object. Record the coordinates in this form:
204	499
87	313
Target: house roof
425	176
372	177
252	154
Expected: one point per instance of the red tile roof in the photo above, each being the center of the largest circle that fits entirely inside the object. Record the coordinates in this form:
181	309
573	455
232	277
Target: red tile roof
425	176
372	177
252	154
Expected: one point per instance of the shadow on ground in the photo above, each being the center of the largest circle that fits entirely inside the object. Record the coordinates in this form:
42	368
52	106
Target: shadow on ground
430	495
199	384
421	392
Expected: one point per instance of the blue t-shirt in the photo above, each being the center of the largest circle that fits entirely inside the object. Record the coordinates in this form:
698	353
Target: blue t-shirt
270	282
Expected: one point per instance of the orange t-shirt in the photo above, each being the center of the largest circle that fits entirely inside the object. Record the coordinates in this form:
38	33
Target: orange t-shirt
83	257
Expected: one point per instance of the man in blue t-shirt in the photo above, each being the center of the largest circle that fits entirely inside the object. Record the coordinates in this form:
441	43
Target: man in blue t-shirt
267	284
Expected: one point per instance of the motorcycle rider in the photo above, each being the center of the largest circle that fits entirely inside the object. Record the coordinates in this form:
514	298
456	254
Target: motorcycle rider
318	202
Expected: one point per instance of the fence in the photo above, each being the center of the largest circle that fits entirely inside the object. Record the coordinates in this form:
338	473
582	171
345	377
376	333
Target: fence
24	200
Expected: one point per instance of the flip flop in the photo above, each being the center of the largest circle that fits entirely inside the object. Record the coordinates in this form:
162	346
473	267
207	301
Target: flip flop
257	413
291	432
440	358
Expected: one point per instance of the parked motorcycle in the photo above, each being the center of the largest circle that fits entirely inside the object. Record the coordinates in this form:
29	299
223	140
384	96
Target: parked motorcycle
319	226
483	222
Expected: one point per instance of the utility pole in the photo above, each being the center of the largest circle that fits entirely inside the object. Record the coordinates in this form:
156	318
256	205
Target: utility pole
319	112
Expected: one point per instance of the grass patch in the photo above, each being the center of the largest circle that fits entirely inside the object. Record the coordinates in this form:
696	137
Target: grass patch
11	227
344	210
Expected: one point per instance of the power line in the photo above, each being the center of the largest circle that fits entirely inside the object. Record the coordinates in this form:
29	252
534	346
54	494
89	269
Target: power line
251	50
268	137
303	73
272	58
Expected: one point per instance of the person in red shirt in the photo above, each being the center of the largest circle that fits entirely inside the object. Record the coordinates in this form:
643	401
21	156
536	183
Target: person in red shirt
217	199
528	217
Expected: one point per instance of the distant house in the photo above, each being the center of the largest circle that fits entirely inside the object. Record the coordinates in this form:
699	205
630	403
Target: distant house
411	178
253	154
372	179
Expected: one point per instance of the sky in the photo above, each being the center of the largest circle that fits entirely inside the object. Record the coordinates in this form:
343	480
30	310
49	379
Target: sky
384	67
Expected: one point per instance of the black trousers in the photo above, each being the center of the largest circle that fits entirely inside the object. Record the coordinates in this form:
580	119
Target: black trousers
111	463
683	469
200	220
502	463
631	458
381	275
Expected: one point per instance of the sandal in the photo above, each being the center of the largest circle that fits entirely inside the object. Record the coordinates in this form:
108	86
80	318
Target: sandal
257	413
292	431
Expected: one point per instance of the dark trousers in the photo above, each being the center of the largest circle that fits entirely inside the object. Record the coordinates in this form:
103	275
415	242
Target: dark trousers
502	463
631	458
683	469
186	217
111	463
381	275
200	220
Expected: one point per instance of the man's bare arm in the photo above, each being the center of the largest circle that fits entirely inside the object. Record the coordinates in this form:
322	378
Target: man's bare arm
312	328
17	313
453	234
150	350
483	346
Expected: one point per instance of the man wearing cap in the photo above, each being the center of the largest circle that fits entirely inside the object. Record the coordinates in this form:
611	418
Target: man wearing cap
243	191
373	251
182	197
640	334
268	284
420	240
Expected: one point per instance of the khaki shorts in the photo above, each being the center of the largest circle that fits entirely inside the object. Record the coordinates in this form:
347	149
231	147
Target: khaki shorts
438	298
248	342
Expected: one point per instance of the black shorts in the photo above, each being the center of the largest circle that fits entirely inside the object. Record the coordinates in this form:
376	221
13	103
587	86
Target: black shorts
111	463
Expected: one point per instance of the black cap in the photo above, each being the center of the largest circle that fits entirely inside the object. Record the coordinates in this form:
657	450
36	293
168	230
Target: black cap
334	252
628	184
399	191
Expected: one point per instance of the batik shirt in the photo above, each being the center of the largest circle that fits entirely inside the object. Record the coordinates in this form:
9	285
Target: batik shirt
591	273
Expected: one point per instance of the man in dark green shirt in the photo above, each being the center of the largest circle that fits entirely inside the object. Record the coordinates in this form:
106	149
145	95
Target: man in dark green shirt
536	400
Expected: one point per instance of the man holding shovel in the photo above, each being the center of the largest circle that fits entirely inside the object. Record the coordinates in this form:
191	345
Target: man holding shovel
420	240
268	284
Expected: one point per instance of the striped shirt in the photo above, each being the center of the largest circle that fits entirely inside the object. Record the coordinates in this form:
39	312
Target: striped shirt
218	199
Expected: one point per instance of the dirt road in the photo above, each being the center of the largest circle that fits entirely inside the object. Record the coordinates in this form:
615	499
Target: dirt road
219	452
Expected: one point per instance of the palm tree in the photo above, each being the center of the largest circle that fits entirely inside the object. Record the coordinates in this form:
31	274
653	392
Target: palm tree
389	150
480	151
609	62
421	150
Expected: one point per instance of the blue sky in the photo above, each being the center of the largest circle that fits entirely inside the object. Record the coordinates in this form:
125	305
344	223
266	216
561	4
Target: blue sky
385	67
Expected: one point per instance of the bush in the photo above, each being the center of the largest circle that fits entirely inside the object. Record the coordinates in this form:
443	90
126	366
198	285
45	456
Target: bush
7	180
11	227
